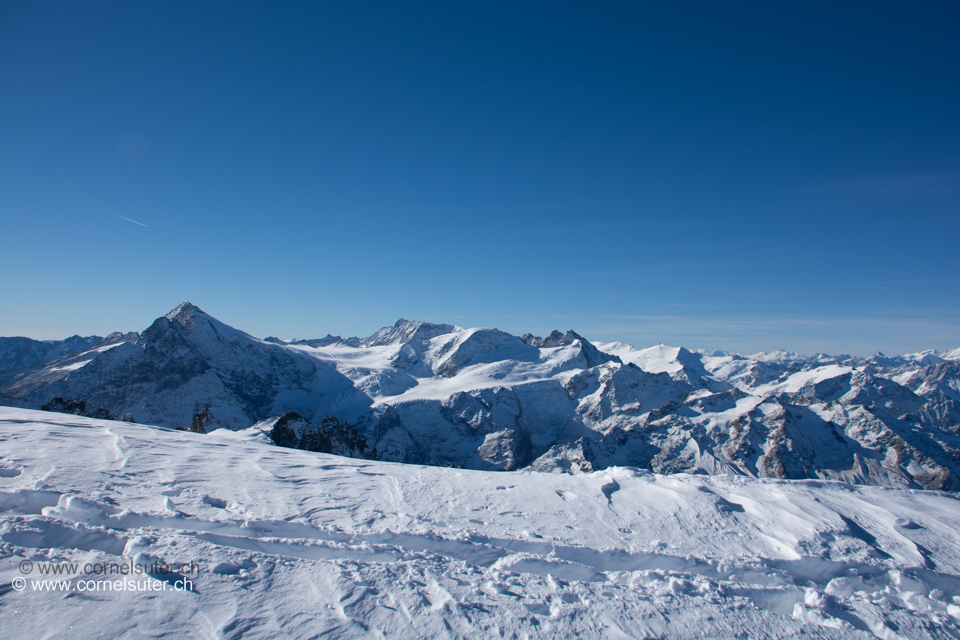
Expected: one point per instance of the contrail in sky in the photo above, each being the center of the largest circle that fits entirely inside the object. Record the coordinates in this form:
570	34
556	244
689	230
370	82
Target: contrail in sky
104	208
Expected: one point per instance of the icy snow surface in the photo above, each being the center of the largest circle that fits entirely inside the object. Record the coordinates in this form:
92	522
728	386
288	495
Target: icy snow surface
298	544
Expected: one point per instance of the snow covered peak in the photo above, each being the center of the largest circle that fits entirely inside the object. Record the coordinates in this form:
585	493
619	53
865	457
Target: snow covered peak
776	356
407	331
658	359
593	356
555	339
680	364
197	327
185	314
925	358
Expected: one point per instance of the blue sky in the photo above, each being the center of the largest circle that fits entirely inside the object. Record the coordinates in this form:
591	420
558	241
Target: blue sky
738	176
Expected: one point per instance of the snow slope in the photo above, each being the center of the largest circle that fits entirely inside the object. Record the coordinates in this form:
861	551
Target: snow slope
296	544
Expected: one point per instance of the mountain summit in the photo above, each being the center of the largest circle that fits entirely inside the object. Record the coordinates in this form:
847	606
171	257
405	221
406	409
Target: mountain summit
407	331
184	313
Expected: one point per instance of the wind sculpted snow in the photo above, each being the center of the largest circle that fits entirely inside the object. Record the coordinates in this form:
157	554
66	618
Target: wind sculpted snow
481	398
286	543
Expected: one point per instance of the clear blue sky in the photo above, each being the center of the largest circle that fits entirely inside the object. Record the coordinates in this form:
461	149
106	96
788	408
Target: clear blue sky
737	176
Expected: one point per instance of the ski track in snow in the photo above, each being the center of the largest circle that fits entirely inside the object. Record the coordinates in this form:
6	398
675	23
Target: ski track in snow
299	544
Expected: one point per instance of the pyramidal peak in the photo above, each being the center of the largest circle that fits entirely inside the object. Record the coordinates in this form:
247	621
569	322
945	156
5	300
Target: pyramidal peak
185	314
197	322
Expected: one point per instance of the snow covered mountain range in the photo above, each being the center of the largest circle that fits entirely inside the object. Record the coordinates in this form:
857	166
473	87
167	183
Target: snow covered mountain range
484	399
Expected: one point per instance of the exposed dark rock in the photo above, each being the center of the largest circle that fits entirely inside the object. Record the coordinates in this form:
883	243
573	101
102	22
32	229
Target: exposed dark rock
59	405
30	367
574	457
201	421
24	353
532	340
318	342
293	431
593	356
75	407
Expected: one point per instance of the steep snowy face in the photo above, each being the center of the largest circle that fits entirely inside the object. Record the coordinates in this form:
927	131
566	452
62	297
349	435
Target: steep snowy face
61	359
188	342
681	365
21	356
484	399
407	331
589	353
480	346
24	353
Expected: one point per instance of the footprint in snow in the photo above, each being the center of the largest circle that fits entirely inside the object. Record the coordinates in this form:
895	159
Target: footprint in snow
722	504
232	569
725	506
537	608
609	489
214	502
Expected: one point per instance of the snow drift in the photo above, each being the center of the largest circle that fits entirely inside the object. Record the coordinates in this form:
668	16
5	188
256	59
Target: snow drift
280	542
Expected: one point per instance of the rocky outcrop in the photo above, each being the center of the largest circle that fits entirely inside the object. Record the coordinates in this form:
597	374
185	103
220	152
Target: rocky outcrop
575	457
326	341
293	431
590	353
75	407
203	422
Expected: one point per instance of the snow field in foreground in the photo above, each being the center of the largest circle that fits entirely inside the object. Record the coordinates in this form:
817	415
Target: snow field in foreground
297	544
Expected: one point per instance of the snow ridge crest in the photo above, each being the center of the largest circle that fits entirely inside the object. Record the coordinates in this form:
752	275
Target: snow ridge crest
407	331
